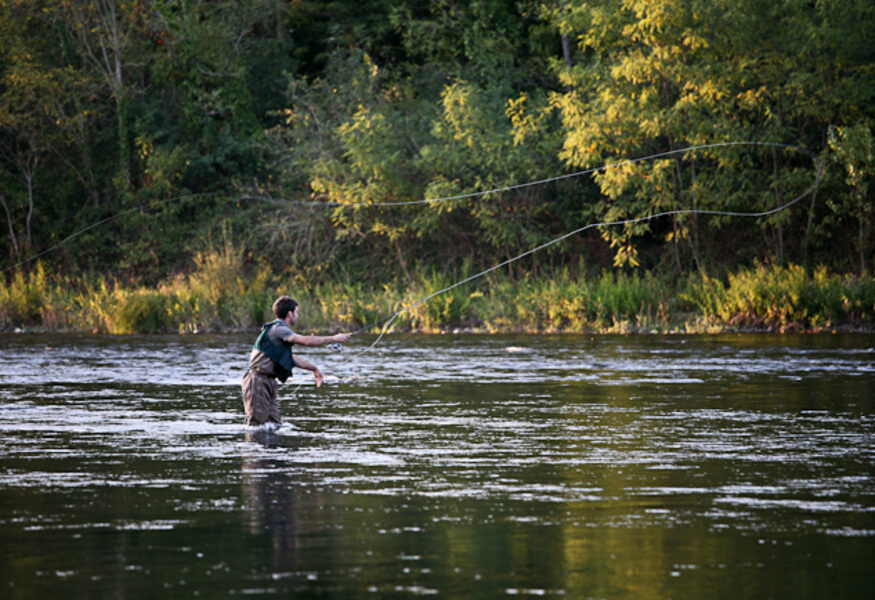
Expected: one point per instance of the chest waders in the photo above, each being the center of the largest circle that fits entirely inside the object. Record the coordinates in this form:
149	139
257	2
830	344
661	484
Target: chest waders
281	354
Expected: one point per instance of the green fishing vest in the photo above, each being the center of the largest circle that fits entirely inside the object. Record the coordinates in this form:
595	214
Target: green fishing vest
281	354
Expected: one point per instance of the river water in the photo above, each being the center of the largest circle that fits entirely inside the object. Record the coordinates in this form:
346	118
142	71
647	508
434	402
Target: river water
459	466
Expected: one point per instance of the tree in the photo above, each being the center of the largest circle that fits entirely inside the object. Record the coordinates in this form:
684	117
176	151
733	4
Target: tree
656	76
462	114
854	151
37	106
108	35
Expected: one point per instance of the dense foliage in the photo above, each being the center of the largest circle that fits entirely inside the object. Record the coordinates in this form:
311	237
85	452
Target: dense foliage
173	123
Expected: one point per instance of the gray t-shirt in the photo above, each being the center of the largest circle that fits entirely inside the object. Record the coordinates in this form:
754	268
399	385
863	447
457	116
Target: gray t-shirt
279	333
261	363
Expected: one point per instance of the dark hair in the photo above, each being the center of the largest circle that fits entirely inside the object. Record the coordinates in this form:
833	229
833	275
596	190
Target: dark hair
283	306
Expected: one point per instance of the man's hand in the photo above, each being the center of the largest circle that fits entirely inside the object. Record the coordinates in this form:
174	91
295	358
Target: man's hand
319	377
341	338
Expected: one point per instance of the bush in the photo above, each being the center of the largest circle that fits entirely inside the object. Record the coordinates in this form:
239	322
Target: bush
142	311
22	299
784	298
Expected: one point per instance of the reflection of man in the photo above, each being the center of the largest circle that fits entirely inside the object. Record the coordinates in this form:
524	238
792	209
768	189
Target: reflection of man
270	497
271	359
283	500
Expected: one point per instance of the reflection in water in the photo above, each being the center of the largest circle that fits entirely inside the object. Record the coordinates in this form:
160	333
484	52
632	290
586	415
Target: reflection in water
268	491
462	466
273	501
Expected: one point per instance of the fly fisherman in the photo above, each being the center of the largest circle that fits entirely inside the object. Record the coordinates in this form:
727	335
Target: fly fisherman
271	359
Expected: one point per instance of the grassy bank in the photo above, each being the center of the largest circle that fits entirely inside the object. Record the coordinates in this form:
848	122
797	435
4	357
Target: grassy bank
223	294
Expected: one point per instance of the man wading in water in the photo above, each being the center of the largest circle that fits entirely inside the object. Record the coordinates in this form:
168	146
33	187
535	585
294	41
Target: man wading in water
271	359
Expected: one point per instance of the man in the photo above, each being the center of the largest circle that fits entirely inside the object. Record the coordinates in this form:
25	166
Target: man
271	359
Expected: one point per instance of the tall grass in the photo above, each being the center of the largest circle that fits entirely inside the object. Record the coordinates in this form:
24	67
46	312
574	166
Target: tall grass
220	294
785	298
607	302
223	293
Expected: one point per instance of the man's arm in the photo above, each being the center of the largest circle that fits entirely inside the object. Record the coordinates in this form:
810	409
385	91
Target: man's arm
317	340
305	364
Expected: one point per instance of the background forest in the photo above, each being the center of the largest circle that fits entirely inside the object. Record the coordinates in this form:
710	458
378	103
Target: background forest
171	164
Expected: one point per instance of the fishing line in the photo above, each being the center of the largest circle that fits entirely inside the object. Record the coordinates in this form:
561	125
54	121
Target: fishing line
389	320
386	323
98	223
510	188
282	201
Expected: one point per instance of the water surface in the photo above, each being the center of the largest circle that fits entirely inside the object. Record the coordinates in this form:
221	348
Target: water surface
458	466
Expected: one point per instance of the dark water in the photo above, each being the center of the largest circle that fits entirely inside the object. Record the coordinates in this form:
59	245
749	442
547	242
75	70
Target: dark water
462	467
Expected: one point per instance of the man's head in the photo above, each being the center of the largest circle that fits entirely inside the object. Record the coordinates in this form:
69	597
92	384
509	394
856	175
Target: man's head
283	307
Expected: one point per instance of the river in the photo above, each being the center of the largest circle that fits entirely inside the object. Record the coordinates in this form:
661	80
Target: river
461	466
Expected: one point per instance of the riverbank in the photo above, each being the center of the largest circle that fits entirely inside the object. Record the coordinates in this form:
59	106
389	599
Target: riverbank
221	296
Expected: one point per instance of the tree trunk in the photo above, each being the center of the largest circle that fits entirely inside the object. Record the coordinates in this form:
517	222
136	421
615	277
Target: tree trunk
124	146
29	177
694	238
402	261
779	227
566	50
12	236
805	241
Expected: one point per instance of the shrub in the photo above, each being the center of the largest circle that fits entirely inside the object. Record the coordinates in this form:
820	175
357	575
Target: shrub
142	311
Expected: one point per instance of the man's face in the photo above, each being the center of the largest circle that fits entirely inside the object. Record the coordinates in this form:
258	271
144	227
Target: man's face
293	316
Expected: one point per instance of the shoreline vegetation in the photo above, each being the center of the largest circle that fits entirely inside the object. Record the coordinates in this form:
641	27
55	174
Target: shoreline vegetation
661	166
224	295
